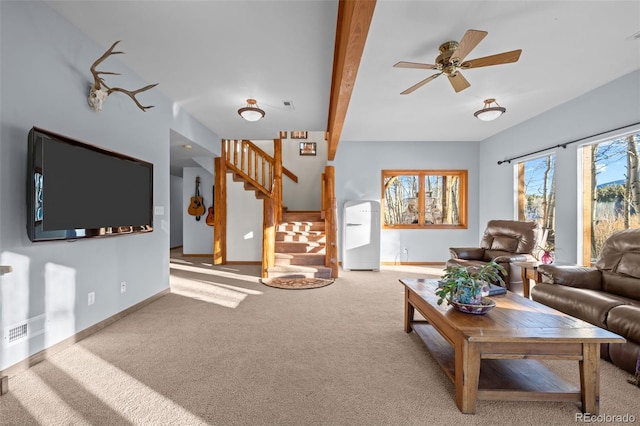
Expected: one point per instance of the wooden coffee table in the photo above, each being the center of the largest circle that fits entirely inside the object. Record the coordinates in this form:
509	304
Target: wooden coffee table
496	355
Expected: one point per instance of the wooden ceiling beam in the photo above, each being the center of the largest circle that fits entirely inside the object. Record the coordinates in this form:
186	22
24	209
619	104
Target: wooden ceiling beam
354	19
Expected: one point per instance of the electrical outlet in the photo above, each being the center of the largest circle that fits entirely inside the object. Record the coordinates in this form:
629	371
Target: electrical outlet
123	287
91	298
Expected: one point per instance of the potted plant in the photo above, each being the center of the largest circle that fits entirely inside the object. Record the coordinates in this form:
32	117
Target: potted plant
462	286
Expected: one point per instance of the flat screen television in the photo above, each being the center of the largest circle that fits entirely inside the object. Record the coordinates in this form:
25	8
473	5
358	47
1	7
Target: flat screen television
76	190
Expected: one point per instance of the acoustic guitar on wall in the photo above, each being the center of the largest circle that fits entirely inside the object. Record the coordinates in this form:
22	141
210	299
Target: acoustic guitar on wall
196	207
210	217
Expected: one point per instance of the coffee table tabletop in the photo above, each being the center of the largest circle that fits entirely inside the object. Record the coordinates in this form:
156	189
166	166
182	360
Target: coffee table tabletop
496	355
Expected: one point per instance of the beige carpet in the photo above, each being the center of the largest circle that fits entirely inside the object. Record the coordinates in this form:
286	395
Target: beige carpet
223	349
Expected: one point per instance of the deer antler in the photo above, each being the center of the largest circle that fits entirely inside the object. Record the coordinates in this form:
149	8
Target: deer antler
97	94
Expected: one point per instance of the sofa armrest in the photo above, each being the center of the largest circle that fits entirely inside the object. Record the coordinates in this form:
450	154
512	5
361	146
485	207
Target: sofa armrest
571	276
467	253
509	258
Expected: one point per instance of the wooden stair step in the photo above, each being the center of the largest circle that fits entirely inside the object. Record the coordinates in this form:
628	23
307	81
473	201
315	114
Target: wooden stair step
305	216
304	236
299	247
300	226
285	259
292	271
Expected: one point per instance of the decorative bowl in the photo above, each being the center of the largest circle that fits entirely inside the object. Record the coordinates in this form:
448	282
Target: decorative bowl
486	306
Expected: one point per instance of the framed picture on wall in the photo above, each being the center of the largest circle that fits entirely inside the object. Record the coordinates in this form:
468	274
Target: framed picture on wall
298	134
307	148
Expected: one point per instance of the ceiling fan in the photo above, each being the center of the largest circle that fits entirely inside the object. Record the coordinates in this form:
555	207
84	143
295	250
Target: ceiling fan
451	61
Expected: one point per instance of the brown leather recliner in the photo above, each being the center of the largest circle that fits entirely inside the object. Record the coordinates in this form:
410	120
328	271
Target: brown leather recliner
607	295
505	242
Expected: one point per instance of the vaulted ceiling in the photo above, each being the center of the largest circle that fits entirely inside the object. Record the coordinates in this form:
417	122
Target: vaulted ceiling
210	56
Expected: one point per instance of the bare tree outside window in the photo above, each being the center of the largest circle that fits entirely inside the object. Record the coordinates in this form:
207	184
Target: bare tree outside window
611	191
536	193
424	198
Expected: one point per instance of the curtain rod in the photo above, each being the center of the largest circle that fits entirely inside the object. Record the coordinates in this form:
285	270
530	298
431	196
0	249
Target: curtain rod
564	145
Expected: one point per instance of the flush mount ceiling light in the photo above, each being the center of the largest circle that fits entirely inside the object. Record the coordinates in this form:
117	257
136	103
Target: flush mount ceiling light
251	112
489	113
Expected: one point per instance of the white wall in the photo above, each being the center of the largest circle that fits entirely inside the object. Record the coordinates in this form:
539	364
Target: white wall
176	203
358	168
306	193
608	107
197	236
45	79
244	223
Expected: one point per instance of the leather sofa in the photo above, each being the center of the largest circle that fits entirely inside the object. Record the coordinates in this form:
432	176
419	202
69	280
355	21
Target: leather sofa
607	295
505	242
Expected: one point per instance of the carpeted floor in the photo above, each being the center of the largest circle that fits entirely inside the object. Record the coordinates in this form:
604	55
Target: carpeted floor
224	349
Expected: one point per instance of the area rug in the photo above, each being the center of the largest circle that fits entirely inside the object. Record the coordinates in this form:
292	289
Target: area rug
296	283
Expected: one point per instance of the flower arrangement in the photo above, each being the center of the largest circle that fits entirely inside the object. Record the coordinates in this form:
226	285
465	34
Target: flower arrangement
465	285
546	257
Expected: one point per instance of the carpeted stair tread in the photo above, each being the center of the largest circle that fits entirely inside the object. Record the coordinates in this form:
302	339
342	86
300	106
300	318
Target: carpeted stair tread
317	271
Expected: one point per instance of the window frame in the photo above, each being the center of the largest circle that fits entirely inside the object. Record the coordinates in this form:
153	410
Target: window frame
462	174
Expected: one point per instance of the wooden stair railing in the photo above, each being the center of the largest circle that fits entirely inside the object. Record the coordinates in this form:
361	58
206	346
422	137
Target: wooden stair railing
261	173
330	212
252	164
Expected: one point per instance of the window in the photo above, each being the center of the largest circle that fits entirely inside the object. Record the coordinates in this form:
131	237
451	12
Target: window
424	198
610	190
536	193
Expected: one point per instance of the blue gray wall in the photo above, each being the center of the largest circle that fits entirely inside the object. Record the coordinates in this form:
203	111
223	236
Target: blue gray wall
44	82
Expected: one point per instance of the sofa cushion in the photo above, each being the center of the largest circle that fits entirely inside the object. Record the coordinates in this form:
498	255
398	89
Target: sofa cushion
588	305
502	243
621	285
526	234
621	244
571	276
625	355
625	321
629	265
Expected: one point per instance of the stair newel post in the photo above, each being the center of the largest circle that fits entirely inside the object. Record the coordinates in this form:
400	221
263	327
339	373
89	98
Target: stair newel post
220	209
331	221
277	178
268	235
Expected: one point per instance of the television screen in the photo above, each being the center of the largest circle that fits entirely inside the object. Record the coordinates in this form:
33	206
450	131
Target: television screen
77	190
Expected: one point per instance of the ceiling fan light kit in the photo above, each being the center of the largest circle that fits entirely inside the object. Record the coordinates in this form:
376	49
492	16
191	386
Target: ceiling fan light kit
489	113
451	61
251	112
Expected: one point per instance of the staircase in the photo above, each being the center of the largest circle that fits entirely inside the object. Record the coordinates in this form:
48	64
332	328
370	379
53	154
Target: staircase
300	246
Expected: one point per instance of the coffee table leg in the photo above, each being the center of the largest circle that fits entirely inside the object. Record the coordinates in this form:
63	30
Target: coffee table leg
525	282
590	378
408	311
467	375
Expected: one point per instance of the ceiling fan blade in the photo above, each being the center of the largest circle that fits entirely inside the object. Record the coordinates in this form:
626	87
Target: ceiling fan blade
498	59
469	41
458	82
403	64
420	84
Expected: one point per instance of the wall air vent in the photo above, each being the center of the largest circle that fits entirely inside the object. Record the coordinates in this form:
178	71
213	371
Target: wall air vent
17	332
25	330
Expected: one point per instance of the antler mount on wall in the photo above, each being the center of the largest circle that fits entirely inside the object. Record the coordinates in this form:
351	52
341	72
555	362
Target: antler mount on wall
99	89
